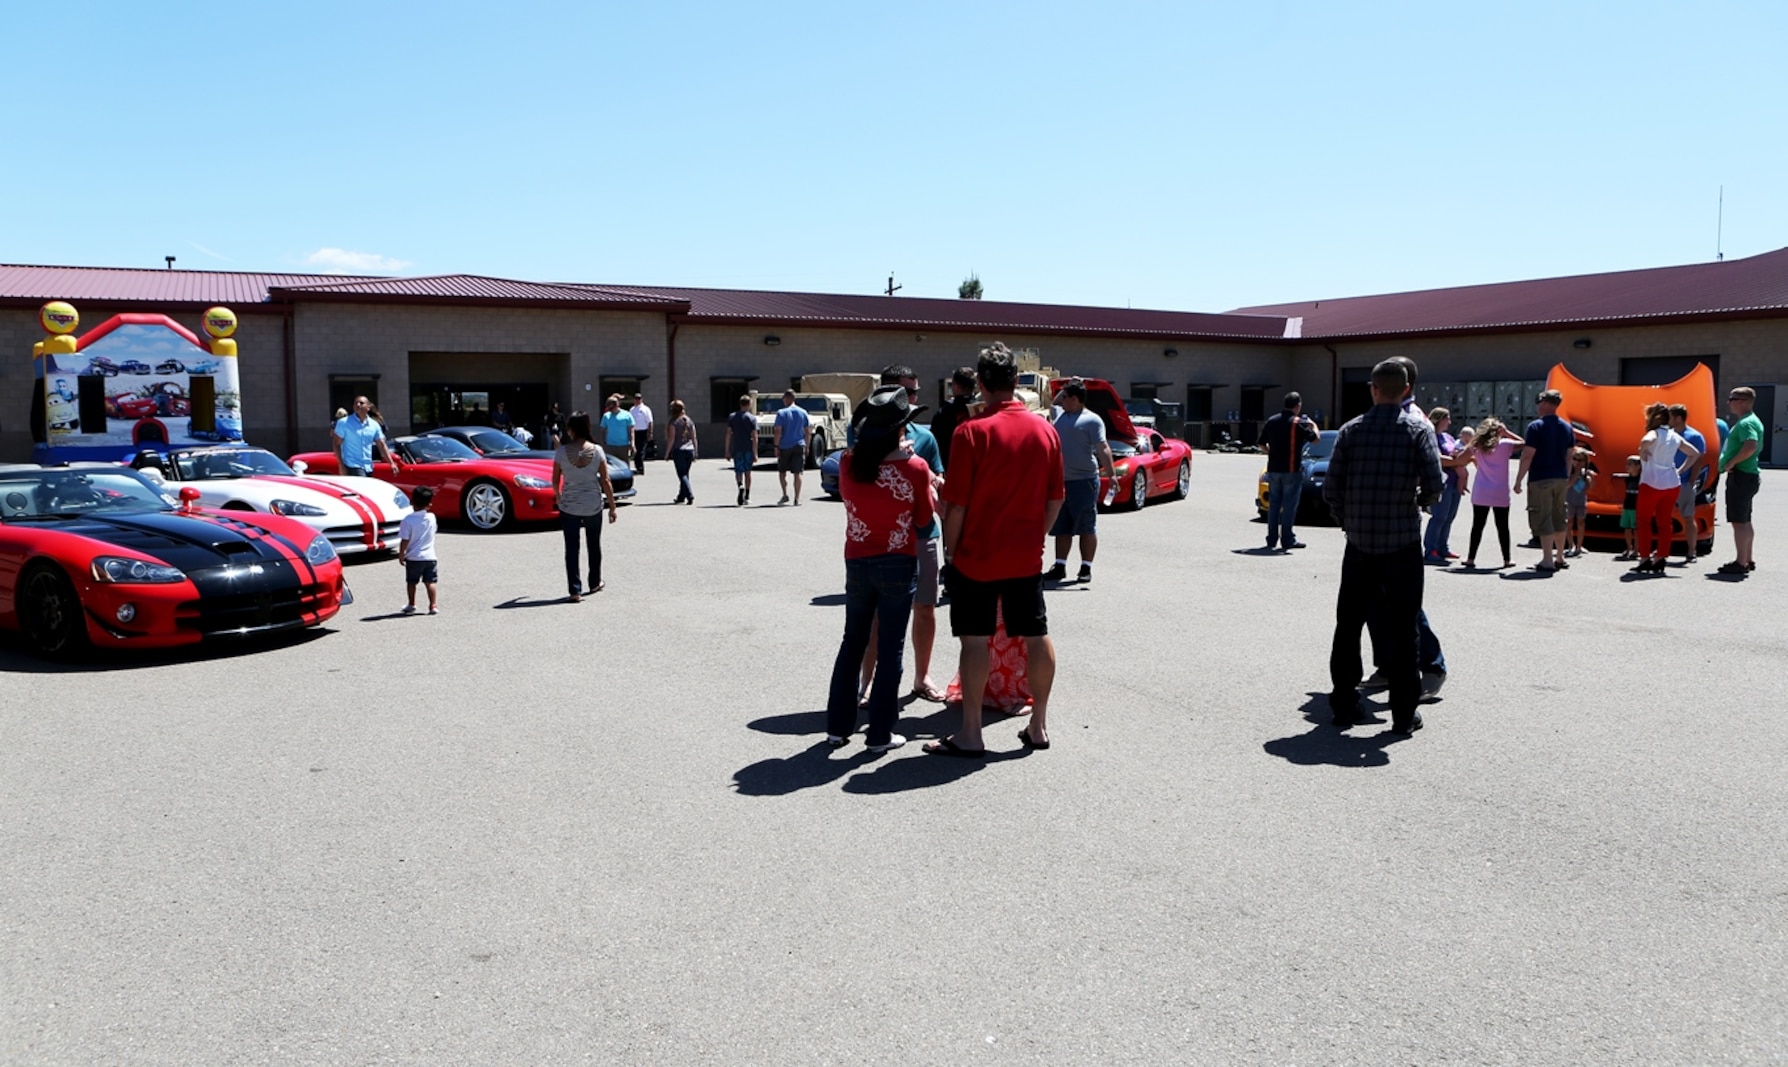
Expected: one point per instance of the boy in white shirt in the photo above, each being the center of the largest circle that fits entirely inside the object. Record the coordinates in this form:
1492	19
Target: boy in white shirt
416	547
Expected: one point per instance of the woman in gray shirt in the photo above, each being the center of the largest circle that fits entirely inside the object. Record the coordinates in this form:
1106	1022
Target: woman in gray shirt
581	487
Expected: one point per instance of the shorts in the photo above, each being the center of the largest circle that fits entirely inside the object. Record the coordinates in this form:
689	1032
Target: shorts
925	586
973	604
1546	506
1577	506
791	459
419	570
1740	489
1080	509
1629	519
1685	497
742	461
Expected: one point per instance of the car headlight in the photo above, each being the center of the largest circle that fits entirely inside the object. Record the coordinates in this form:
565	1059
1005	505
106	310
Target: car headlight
293	507
1120	470
400	499
528	481
320	551
122	571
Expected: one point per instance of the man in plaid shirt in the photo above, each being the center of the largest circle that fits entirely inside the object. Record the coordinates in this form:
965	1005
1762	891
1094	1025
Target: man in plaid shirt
1384	470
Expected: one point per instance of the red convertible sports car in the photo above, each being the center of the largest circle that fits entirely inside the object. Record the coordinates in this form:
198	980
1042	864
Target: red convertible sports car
485	492
1148	465
97	555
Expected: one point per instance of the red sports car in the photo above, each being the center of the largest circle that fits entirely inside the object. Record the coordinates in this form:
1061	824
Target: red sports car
97	555
485	492
130	406
1148	465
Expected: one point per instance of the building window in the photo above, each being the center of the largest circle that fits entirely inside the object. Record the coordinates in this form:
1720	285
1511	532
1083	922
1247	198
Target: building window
1253	403
1145	390
623	384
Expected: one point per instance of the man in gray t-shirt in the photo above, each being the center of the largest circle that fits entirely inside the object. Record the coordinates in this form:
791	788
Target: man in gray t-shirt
1085	455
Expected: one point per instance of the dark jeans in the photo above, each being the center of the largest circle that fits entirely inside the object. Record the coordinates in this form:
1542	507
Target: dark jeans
592	527
1284	488
1382	592
684	458
642	439
879	588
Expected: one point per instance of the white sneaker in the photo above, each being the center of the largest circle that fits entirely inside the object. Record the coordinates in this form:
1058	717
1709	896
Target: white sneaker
894	741
409	609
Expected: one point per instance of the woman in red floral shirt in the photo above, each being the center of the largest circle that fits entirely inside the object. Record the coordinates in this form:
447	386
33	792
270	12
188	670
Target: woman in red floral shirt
887	503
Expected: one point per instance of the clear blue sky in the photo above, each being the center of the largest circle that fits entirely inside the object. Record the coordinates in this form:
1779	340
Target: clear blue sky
1193	156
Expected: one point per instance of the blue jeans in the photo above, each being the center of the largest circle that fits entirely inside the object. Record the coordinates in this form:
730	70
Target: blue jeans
1440	522
876	589
1283	490
592	527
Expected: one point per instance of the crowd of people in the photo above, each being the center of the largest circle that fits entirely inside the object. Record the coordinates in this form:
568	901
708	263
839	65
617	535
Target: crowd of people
1394	462
966	507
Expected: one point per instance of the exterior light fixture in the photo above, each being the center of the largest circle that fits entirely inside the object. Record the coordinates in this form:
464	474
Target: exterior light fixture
772	340
1170	352
1581	342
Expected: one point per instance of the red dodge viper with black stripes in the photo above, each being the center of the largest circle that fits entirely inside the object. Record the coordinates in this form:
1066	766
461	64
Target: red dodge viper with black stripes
98	555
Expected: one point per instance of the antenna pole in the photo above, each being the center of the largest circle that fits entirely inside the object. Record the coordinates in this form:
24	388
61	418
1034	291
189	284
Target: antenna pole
1720	229
892	288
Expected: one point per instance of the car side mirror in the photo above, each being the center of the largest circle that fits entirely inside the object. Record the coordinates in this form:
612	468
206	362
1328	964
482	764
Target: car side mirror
299	466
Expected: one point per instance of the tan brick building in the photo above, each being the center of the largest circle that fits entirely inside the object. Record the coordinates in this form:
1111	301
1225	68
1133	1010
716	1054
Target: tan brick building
429	349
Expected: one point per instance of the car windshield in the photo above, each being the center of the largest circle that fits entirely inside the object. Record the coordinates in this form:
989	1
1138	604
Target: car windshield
36	494
1140	406
228	463
494	442
1122	448
1323	446
769	405
436	450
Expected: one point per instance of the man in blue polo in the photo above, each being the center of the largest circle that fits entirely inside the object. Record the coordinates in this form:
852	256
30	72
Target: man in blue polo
357	437
791	444
1694	477
1085	455
1547	458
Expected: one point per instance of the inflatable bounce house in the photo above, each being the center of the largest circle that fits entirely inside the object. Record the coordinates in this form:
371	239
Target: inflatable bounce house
1610	420
134	381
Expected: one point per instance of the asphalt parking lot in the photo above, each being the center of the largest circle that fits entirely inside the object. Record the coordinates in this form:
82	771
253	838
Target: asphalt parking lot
525	831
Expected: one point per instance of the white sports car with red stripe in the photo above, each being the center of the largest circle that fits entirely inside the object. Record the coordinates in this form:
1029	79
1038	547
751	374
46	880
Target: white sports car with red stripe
355	514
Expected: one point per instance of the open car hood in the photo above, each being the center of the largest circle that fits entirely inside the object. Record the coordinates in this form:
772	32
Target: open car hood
1103	398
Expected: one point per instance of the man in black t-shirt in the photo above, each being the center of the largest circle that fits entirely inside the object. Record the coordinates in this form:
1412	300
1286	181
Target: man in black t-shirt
954	412
1284	437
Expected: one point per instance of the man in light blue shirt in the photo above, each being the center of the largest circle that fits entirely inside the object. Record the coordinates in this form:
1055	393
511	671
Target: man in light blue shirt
791	444
617	430
357	437
1085	455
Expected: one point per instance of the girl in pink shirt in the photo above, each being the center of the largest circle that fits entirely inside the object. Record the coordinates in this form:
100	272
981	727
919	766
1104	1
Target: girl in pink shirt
1491	450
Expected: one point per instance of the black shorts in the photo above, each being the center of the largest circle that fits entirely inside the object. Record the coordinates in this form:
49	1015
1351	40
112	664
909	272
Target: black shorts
419	571
972	607
1740	489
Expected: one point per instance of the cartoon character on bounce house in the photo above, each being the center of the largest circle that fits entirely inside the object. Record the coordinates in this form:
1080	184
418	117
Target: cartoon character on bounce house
81	411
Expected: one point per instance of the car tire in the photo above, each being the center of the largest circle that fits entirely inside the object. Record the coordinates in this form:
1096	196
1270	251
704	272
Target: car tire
50	614
485	505
816	451
1139	489
1183	487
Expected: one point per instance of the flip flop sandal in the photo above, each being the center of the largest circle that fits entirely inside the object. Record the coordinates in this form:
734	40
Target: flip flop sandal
1024	737
943	746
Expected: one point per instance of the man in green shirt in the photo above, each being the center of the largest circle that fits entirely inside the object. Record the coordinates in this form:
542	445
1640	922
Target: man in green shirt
1738	463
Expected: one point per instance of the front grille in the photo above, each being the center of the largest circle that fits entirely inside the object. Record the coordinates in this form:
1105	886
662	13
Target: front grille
354	537
248	613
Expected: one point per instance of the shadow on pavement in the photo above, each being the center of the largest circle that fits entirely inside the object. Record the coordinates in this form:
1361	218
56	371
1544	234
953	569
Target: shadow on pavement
530	602
827	600
15	657
1325	745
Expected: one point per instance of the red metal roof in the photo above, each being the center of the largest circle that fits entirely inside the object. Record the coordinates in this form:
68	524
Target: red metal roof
478	289
1757	284
754	307
134	285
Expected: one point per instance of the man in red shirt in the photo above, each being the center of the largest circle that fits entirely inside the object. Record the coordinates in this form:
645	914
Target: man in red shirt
1002	490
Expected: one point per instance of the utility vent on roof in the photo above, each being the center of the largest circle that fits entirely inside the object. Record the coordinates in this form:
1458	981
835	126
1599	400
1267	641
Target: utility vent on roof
1294	326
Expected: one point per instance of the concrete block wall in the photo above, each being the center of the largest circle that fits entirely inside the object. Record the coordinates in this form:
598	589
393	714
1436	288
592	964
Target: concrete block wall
707	351
1749	351
378	339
